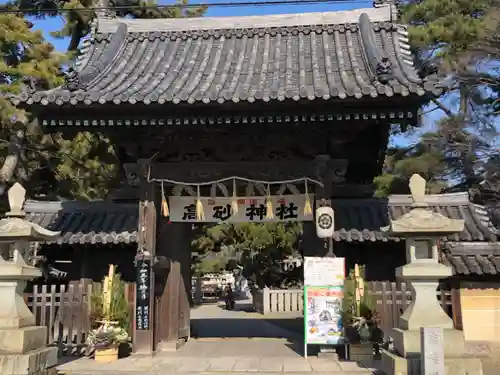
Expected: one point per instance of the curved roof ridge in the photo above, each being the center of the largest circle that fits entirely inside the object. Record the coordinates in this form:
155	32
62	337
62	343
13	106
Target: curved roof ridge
109	26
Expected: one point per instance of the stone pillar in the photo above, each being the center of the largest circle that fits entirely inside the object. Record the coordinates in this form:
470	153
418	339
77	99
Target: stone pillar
421	227
23	348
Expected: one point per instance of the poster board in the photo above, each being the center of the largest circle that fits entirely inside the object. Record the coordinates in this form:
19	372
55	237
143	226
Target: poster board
323	294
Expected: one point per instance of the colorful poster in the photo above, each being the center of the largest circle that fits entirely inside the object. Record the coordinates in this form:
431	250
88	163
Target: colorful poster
323	318
323	294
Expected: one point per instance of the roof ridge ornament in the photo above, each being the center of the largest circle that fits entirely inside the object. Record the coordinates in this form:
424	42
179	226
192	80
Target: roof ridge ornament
380	64
104	9
72	80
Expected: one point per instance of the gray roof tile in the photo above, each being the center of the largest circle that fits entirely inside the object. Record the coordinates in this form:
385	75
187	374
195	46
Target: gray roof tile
476	259
361	219
302	56
81	223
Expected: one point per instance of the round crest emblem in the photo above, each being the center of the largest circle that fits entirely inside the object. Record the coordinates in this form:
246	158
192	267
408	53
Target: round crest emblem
325	221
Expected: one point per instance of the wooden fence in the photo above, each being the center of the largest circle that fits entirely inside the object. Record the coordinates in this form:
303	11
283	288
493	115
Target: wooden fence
66	311
269	301
390	299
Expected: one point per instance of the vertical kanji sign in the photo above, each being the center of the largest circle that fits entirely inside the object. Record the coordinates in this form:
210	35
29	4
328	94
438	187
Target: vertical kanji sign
143	295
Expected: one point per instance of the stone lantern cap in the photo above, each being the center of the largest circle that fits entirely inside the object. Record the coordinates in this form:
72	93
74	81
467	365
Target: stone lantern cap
422	221
15	228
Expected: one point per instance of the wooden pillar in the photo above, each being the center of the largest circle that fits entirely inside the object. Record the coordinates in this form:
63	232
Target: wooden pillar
144	319
174	242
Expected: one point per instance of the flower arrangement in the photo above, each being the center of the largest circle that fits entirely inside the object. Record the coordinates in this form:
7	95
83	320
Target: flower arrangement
107	336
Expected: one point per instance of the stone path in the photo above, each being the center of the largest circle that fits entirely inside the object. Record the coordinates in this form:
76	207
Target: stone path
161	365
213	321
228	342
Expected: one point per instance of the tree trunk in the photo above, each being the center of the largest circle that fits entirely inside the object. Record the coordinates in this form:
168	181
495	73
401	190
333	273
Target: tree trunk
12	158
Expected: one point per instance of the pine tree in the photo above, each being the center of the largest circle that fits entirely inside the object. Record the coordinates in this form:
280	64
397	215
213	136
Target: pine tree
28	62
82	166
78	14
457	38
261	248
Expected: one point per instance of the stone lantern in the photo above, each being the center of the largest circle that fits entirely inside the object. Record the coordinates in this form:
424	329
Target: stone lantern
421	228
22	344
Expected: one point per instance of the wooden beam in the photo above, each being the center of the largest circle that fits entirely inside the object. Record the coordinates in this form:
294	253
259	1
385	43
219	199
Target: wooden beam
268	171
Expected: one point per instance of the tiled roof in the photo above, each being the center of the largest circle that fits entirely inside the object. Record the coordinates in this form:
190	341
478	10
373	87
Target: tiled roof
275	57
361	219
356	220
81	223
477	259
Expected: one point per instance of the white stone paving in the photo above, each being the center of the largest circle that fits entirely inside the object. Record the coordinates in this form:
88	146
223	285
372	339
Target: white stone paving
250	345
227	365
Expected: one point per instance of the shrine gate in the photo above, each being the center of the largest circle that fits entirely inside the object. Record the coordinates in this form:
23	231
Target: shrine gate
222	108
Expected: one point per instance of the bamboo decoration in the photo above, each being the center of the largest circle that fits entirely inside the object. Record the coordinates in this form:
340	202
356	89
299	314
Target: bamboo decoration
307	203
164	204
107	293
269	205
359	285
200	213
234	202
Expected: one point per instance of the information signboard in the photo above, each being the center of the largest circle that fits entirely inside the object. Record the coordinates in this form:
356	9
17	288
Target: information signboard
323	293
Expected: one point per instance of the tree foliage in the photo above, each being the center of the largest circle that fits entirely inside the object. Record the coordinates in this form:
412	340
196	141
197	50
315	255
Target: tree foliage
460	39
79	14
27	61
260	248
81	165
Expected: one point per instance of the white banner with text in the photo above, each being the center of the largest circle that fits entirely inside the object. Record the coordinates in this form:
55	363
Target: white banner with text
250	209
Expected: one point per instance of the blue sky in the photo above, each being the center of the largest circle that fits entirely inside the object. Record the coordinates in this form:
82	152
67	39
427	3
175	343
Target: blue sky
55	23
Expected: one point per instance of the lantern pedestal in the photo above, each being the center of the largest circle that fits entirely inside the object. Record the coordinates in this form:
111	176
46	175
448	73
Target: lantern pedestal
421	227
22	344
23	348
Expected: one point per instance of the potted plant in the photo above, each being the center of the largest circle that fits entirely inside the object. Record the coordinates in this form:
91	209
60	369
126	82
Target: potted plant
106	341
109	320
360	320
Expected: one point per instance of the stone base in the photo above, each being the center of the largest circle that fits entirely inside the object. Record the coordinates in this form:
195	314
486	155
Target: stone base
361	352
36	362
393	364
22	340
328	352
407	342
